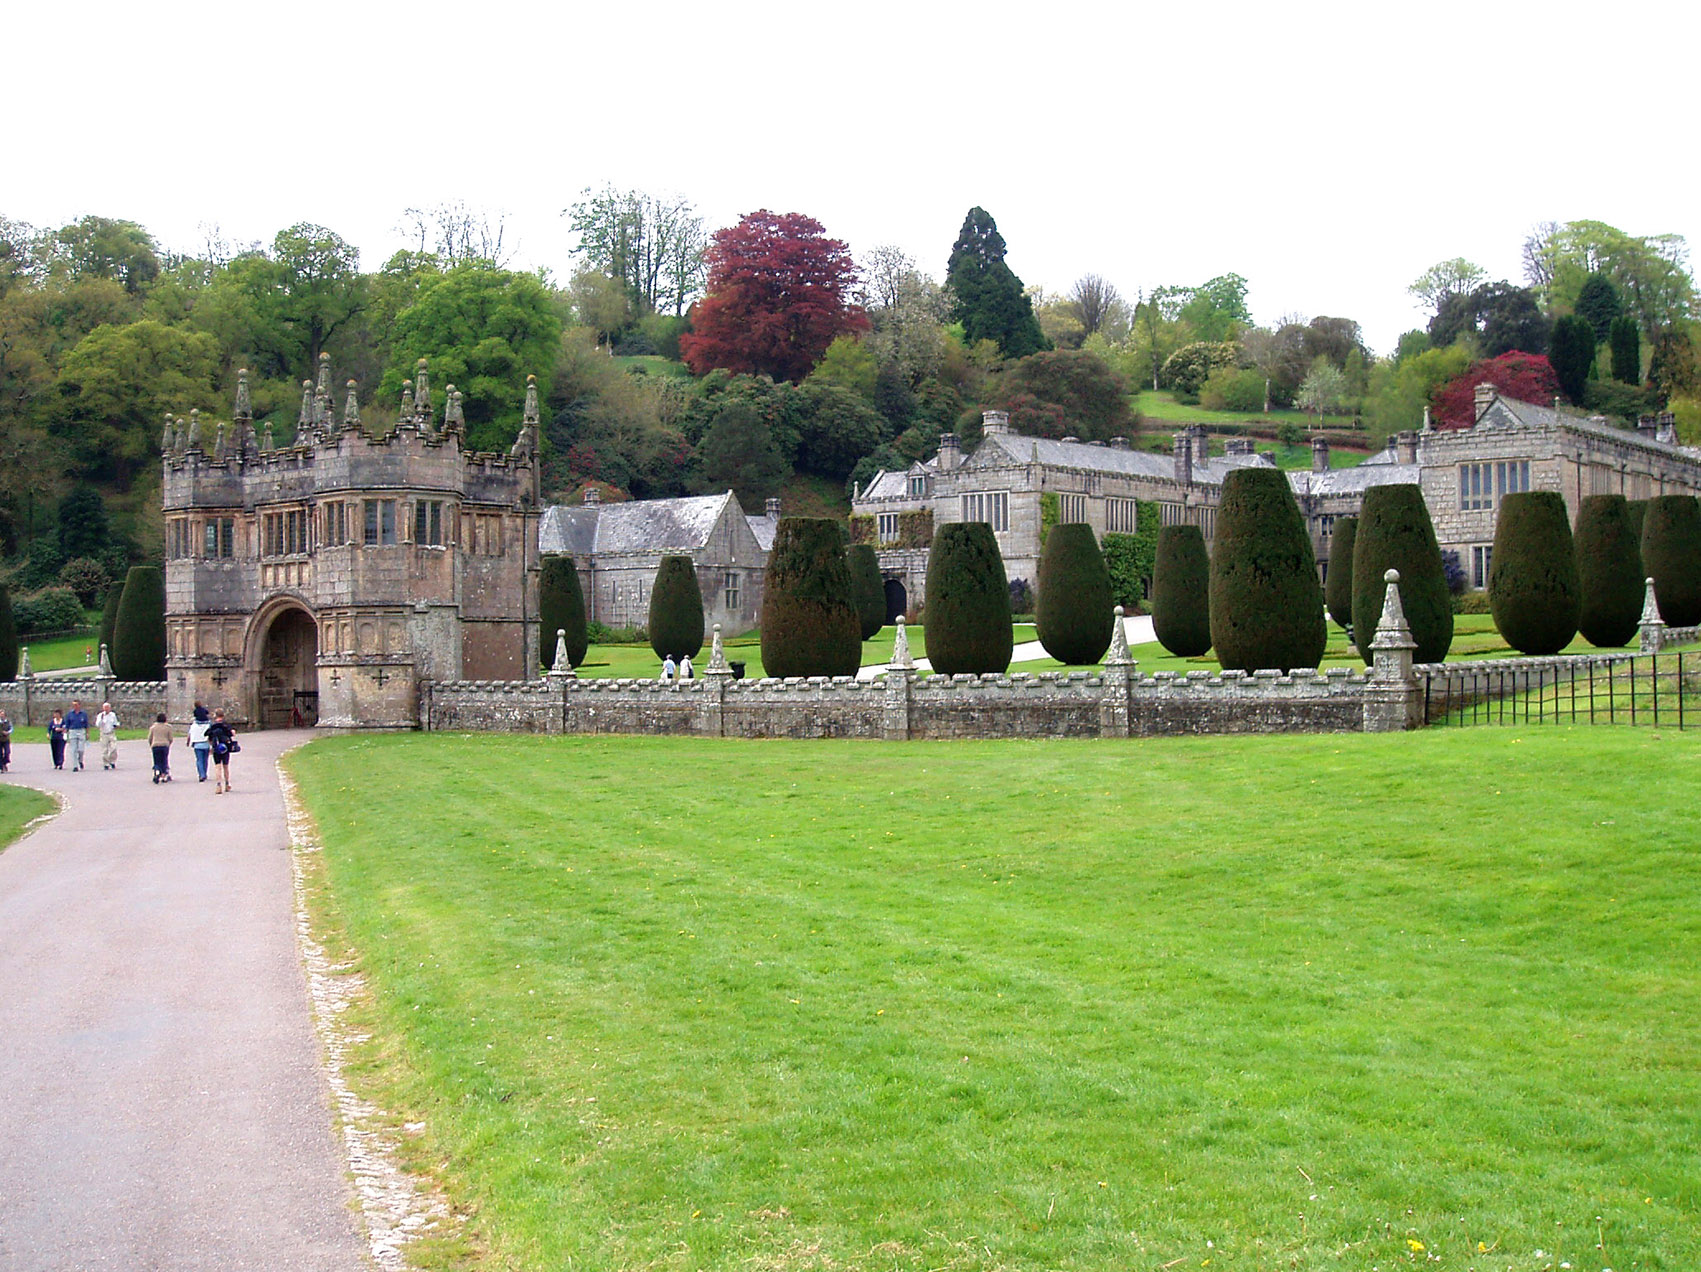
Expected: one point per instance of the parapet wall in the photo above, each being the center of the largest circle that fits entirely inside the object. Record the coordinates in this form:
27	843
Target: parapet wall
32	701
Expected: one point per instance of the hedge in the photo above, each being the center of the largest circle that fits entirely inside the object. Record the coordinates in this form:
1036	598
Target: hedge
809	622
1395	533
1074	619
138	637
109	614
1532	584
868	589
1671	554
968	602
1338	587
54	610
1609	571
676	609
1181	586
1266	605
561	606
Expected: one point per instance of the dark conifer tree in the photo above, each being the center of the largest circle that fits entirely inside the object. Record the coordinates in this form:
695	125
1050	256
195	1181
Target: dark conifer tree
1338	587
1074	618
561	607
1181	592
8	637
988	299
1626	351
967	610
138	638
1395	533
1671	554
1532	585
1609	571
1266	605
867	587
1571	351
676	609
809	621
1598	304
109	614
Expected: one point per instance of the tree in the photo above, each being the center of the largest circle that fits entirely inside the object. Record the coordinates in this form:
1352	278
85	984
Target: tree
967	602
8	638
850	364
809	621
1626	351
907	310
676	609
1266	606
1094	398
1515	375
1074	619
835	428
138	636
987	298
738	454
1445	280
1216	309
1505	317
1671	554
1572	355
867	588
83	530
1598	304
1324	389
1338	585
1096	303
1609	571
1187	369
100	247
458	234
317	287
561	607
109	613
1181	586
1157	327
1650	273
778	292
653	245
601	303
1395	533
1532	584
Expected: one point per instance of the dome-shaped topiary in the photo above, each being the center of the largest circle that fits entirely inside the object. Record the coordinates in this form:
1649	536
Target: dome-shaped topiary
1532	585
1338	587
968	601
138	636
1074	617
1671	554
561	607
1181	592
809	623
1395	533
1609	571
1266	605
8	638
867	587
676	609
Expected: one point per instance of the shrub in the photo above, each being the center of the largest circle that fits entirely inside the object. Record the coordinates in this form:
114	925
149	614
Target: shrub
1471	603
8	638
109	613
1021	597
1671	555
1395	533
561	607
138	637
1132	558
967	601
1233	389
1181	583
1623	402
1609	571
54	610
868	589
809	622
1626	339
602	634
1532	585
1338	587
676	609
86	577
1073	618
1266	605
1187	369
1454	570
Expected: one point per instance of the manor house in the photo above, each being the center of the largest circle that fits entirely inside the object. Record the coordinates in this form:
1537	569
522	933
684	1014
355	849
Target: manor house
1010	480
328	580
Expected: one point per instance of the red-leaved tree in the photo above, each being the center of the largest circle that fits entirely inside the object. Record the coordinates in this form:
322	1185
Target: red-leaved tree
1526	377
776	297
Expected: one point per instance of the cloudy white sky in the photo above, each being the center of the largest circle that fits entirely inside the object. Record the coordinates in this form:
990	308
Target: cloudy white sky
1327	153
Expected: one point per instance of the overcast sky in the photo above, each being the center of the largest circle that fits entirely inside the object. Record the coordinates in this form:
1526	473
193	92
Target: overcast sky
1327	153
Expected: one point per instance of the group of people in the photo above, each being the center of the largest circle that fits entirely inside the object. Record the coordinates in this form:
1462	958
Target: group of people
210	738
681	670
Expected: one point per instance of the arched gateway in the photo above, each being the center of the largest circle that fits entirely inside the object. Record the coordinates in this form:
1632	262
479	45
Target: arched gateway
282	667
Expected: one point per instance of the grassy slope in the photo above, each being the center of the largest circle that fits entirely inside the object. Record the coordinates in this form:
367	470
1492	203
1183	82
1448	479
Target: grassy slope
1283	1002
18	807
67	651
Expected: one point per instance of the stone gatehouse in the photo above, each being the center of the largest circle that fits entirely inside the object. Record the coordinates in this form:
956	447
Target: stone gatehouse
327	580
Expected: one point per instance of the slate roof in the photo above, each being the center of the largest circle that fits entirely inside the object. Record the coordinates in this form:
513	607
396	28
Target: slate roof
640	526
763	528
1381	469
1530	414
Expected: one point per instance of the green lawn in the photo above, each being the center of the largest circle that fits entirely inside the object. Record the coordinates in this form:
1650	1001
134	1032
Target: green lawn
19	806
1161	407
639	662
67	651
1228	1003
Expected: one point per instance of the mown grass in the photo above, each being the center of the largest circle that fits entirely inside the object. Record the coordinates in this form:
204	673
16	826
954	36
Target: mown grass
639	662
63	653
1246	1003
19	806
1161	407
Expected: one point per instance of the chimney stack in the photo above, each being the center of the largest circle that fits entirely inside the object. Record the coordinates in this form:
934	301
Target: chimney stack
1239	446
1119	443
995	422
773	509
590	497
1666	428
1320	454
949	455
1201	446
1183	458
1484	396
1406	446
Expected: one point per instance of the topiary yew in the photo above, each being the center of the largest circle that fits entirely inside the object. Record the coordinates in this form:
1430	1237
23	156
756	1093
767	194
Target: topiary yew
561	607
867	587
1671	554
1181	591
1338	587
676	609
1266	605
968	602
1395	533
1074	619
1609	571
138	636
1532	585
109	613
809	623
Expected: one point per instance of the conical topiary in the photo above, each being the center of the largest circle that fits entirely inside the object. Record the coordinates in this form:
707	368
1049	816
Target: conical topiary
1609	571
561	607
1395	533
867	587
109	613
1532	584
676	609
968	602
1266	605
1671	554
1638	509
809	622
8	638
1338	587
1074	617
1181	592
138	636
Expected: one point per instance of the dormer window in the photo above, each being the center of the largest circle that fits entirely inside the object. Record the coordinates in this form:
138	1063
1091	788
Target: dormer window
918	485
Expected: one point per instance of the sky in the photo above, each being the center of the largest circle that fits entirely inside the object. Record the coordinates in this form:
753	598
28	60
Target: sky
1328	153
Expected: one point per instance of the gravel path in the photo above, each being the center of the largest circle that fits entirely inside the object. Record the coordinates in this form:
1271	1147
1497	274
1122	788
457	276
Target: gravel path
162	1104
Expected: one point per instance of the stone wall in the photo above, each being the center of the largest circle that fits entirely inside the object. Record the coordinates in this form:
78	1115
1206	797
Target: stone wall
32	701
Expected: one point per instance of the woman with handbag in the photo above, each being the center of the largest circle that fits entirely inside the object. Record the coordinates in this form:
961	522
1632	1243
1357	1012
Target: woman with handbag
222	738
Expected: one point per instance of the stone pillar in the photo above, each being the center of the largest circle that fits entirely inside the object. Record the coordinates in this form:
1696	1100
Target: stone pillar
1183	451
895	714
562	668
1320	454
1651	627
1391	691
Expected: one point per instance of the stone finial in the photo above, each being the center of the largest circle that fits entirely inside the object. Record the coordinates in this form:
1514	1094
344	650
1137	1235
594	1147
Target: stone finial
407	400
1392	630
24	672
422	393
525	444
268	442
901	659
322	394
717	656
531	413
1428	424
454	417
219	442
351	409
105	663
304	421
1651	627
562	666
1650	605
1119	655
244	405
168	439
194	429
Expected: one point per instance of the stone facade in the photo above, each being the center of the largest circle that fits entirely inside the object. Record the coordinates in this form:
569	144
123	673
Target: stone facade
328	580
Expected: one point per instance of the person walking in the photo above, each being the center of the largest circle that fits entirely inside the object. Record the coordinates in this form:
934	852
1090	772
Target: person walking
685	672
5	741
222	738
106	724
56	737
669	670
77	733
197	740
159	738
